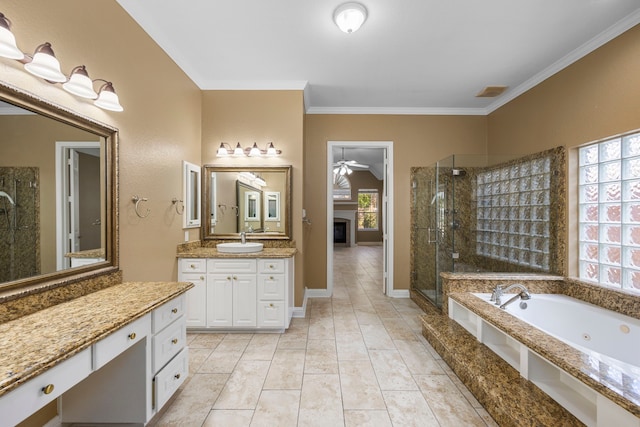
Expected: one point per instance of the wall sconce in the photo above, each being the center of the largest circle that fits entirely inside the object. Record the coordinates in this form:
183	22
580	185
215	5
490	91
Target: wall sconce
45	65
225	150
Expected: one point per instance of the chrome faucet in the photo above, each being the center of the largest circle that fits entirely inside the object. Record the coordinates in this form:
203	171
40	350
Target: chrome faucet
243	237
523	295
496	294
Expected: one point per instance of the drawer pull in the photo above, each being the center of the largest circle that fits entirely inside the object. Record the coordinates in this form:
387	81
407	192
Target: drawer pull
176	376
48	389
270	277
271	266
201	277
174	311
192	266
235	277
132	336
271	305
174	341
228	277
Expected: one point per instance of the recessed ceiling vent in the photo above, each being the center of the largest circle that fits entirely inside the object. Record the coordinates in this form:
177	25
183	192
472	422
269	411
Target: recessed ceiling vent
491	91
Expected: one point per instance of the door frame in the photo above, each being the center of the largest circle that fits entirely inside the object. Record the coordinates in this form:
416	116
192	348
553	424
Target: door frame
388	219
62	194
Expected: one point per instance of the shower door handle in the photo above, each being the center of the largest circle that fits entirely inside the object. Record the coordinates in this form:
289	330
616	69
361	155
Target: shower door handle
429	230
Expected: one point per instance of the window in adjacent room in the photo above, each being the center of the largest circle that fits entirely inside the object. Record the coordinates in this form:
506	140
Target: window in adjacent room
367	210
609	212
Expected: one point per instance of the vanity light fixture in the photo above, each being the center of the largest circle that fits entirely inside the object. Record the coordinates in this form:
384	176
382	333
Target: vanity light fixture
225	150
8	47
80	84
45	65
349	17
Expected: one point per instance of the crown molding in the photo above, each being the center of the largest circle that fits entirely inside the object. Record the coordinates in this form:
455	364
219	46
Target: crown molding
417	111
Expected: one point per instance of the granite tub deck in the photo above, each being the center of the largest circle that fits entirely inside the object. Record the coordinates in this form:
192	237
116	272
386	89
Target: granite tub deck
507	397
34	343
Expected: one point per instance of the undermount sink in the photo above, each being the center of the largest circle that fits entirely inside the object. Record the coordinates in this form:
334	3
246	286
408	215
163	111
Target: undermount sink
239	248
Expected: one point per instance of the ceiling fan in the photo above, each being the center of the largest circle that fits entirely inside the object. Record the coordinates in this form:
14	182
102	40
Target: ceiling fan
343	167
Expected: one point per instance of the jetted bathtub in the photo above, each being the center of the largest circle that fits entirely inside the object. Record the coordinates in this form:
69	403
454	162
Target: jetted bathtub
606	351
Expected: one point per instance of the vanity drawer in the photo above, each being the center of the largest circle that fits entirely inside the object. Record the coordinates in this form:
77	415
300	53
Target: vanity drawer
171	377
271	287
168	343
271	314
120	340
234	265
270	266
193	265
167	313
29	397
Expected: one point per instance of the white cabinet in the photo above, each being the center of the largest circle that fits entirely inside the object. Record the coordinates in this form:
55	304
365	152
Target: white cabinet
238	293
194	270
138	367
231	293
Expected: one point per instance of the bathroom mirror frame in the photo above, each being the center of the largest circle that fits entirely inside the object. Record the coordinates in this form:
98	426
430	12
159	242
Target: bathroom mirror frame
208	197
28	101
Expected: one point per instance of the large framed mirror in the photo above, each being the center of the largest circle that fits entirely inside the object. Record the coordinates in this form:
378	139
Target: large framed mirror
58	193
256	201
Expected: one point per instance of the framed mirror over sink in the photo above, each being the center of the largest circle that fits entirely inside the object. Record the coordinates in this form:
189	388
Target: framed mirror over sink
253	200
58	182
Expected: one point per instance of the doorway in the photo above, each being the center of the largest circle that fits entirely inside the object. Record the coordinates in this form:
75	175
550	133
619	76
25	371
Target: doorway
385	205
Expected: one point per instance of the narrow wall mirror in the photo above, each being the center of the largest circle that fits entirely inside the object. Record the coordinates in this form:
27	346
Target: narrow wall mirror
252	200
191	194
58	188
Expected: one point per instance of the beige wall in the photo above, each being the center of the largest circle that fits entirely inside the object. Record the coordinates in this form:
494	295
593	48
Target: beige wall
159	128
596	97
417	141
262	117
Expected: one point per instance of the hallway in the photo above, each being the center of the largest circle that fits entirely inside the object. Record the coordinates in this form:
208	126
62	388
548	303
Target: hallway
357	359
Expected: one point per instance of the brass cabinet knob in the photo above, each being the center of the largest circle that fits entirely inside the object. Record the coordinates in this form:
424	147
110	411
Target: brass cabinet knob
174	311
270	277
176	376
174	341
48	389
228	277
192	266
271	305
271	266
235	277
132	336
201	277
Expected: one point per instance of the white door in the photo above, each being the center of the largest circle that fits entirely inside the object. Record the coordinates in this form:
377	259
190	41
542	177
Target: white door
196	313
244	300
73	168
219	300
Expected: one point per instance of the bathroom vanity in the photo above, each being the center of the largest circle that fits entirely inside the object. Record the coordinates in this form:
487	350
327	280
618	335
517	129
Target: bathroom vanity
238	291
112	356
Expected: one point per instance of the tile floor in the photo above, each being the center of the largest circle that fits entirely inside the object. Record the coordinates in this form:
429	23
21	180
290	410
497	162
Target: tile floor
356	359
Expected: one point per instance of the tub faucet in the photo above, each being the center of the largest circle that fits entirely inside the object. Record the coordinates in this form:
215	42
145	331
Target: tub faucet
496	294
523	295
243	237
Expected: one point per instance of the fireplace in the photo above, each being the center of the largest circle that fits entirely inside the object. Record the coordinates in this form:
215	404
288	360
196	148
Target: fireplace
341	232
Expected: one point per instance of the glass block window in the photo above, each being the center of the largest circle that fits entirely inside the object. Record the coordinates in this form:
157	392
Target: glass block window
513	213
609	209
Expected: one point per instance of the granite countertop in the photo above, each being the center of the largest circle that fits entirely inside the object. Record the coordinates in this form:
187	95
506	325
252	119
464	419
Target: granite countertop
201	252
588	367
34	343
89	253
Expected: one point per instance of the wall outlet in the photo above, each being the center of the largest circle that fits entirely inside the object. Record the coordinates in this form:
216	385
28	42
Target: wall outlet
186	236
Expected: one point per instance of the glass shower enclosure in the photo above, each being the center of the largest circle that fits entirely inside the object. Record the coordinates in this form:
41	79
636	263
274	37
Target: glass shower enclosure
443	220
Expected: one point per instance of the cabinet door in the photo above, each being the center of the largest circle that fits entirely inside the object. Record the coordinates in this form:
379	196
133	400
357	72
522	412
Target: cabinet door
244	300
220	292
196	299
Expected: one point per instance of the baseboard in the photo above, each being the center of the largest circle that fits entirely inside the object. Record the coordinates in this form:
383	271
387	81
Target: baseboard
369	244
317	293
300	312
399	293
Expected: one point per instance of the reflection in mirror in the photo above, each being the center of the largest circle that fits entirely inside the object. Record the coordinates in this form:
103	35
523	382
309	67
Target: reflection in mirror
57	192
256	201
191	195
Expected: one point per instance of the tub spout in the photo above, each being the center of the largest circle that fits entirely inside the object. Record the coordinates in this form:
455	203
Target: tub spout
523	294
243	237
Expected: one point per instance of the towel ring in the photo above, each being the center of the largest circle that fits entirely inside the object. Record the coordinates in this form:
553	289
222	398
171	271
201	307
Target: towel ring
137	201
177	203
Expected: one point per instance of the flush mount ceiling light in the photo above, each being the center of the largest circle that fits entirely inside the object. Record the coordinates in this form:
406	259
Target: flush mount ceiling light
491	91
350	16
45	65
